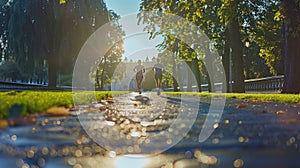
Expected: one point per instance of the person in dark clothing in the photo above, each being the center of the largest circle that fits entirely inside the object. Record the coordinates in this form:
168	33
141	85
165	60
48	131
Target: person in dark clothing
139	69
158	71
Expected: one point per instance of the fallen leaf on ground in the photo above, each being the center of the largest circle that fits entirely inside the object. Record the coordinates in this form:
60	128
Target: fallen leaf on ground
241	106
292	121
280	112
57	111
3	124
21	121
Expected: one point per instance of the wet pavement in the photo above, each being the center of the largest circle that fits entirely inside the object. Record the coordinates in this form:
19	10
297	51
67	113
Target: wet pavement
157	132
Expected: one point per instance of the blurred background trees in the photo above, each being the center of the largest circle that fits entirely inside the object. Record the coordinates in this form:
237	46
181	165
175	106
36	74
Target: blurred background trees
44	37
259	36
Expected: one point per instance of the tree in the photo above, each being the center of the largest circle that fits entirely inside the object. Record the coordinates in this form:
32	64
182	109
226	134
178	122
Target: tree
168	59
4	15
50	33
292	50
112	58
200	13
230	13
229	24
261	28
256	65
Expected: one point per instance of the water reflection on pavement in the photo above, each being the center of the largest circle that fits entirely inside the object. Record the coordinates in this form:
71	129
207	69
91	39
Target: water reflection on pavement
250	134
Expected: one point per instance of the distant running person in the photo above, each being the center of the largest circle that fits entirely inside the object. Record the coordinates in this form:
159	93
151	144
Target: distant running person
139	69
158	71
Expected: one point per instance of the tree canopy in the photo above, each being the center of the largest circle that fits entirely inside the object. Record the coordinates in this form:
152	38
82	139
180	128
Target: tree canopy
48	35
250	32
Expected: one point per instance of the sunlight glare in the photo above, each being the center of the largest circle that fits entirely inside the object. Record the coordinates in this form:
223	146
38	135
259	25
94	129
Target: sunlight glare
131	161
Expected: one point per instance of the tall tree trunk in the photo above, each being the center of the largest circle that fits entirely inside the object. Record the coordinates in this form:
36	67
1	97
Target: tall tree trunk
209	65
197	73
237	57
292	49
102	74
97	77
190	76
52	70
175	83
53	45
179	77
225	59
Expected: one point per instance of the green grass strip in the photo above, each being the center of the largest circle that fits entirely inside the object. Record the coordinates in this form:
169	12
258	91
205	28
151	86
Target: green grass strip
39	101
275	97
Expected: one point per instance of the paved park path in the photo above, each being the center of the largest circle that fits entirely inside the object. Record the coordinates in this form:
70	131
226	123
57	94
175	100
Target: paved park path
138	131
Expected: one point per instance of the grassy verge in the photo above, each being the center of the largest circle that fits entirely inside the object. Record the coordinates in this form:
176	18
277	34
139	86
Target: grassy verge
39	101
287	98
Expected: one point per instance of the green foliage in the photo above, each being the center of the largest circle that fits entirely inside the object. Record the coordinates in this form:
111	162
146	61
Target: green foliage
62	1
199	13
227	22
255	65
47	35
279	15
267	34
108	70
